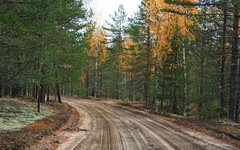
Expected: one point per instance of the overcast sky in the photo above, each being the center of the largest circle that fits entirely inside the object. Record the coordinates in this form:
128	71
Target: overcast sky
102	8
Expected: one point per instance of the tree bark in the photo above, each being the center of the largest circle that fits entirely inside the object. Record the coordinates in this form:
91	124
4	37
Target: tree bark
185	83
36	92
147	68
24	90
48	93
58	93
33	90
96	73
42	93
222	92
117	84
1	88
235	51
6	90
163	93
101	84
63	90
87	81
201	86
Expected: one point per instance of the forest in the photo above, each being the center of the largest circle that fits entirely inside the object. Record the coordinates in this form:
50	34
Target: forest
178	56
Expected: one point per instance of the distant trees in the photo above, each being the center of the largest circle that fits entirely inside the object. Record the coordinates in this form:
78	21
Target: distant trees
95	50
178	56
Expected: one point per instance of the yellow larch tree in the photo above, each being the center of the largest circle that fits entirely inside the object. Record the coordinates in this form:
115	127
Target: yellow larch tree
98	51
163	23
167	21
95	51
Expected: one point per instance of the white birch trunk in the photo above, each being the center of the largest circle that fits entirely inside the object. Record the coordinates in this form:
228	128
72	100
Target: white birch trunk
96	73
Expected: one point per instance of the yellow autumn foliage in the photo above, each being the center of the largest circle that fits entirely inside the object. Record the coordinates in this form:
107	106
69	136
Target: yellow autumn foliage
163	24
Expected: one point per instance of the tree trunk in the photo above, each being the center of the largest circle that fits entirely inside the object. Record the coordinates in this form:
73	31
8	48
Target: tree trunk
101	84
16	91
87	82
147	67
185	83
33	90
69	89
201	86
6	90
0	87
96	74
233	87
58	93
24	90
134	90
42	90
223	65
48	93
238	96
39	103
63	90
117	84
163	93
157	94
42	93
174	103
157	86
36	92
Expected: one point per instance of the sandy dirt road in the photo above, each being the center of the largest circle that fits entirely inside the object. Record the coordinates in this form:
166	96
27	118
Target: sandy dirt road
107	126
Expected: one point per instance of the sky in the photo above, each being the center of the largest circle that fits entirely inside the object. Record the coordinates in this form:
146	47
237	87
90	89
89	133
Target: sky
103	8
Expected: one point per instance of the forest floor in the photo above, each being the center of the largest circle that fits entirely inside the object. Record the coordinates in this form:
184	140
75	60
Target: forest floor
21	126
221	129
93	123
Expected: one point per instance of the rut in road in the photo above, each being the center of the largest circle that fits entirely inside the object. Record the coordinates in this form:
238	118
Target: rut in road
112	127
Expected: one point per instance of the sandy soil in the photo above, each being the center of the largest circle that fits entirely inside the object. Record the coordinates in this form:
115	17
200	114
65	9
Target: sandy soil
108	126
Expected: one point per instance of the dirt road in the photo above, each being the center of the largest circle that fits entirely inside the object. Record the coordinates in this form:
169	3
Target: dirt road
107	126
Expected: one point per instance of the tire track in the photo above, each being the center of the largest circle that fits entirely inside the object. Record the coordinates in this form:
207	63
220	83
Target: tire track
121	129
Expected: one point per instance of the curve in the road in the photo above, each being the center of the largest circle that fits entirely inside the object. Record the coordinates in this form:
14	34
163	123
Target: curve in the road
121	129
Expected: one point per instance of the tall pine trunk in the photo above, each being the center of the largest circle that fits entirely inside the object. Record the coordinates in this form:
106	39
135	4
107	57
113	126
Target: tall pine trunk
24	90
235	51
58	93
201	86
1	88
87	84
63	90
238	96
147	69
48	94
185	83
223	65
117	84
101	84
